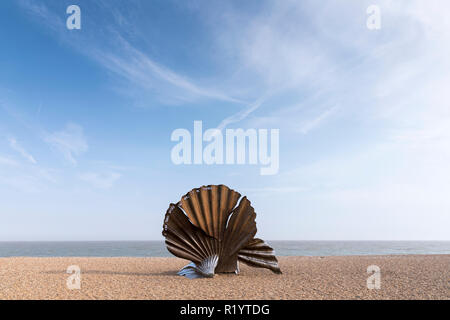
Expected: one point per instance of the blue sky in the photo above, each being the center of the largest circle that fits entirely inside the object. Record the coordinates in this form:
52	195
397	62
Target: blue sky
86	115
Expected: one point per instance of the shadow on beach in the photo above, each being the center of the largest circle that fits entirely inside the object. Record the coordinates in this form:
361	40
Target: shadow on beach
144	274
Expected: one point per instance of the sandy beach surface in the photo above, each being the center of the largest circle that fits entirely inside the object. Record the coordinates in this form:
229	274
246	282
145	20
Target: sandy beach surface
402	277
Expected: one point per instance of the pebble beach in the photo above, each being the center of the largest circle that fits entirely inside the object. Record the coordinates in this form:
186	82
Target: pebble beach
332	277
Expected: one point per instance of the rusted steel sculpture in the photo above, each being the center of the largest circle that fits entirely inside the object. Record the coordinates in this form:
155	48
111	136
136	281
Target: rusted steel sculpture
208	228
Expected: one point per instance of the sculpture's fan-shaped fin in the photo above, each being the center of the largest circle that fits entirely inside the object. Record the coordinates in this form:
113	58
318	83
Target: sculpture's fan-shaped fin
185	240
209	207
259	254
241	228
204	269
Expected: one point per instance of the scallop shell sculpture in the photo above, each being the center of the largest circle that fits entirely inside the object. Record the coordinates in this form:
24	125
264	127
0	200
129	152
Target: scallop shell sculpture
210	228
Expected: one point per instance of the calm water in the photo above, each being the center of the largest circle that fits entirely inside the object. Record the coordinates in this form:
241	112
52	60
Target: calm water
158	249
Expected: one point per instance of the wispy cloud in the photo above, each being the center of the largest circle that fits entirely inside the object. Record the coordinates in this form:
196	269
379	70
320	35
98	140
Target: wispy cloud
140	69
24	176
40	11
17	147
71	142
313	123
241	115
28	178
100	180
116	54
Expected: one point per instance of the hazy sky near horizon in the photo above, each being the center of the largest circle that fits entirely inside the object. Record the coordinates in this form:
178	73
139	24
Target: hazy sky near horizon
86	115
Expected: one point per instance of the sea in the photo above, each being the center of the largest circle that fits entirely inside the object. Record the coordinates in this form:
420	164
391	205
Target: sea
158	248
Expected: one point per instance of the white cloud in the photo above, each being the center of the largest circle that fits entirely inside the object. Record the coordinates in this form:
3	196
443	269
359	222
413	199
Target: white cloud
17	147
100	180
279	56
71	142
